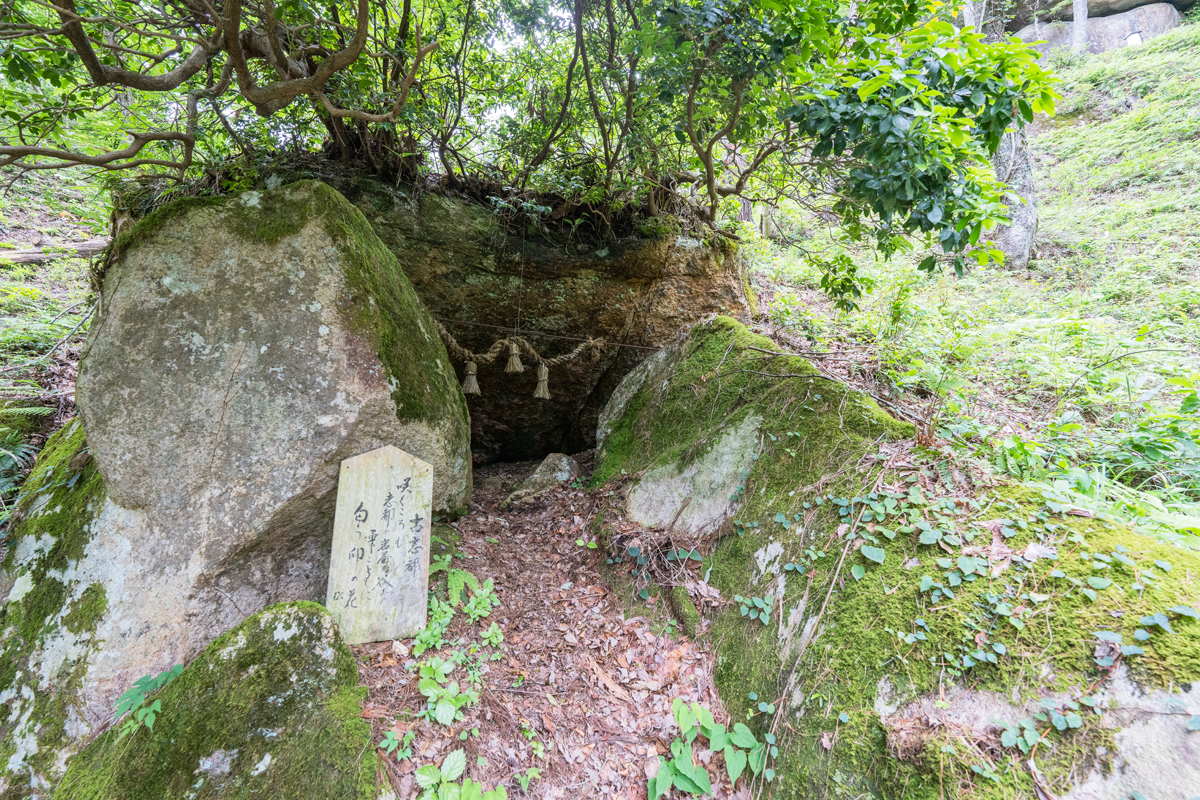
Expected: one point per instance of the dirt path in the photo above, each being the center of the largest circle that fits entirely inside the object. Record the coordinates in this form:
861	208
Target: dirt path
578	692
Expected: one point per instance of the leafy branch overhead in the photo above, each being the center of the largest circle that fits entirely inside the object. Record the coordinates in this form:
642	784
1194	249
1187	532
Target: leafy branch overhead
887	117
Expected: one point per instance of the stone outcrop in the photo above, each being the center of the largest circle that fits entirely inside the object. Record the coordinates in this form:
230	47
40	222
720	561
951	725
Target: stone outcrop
467	268
1105	33
924	636
246	345
555	470
1026	12
270	709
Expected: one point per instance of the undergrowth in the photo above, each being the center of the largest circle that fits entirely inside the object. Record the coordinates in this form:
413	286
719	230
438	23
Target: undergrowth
1082	373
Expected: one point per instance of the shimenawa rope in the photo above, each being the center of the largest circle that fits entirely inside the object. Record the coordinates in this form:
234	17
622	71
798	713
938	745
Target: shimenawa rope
514	346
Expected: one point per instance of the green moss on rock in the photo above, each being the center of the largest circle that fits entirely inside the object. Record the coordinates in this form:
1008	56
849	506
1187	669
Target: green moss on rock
875	664
659	227
47	607
270	708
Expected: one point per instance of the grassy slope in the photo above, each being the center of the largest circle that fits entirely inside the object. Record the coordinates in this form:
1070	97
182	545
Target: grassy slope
1000	357
44	209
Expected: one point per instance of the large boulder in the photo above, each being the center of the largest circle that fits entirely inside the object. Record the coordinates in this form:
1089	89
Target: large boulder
927	638
270	709
1026	12
470	269
1105	33
483	274
245	346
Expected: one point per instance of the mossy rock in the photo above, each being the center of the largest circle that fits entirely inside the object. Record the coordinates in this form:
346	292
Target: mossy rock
248	345
270	709
888	657
51	614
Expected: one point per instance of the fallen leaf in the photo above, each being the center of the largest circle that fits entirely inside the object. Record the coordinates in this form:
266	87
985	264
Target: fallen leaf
608	682
827	740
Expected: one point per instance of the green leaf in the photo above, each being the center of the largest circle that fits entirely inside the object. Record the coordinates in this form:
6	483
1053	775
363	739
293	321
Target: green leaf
1099	583
684	783
444	711
742	737
931	537
718	739
1186	611
428	776
454	765
875	554
735	763
1194	723
858	571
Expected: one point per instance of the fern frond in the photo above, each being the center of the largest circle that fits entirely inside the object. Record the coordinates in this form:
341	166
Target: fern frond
15	452
456	581
27	411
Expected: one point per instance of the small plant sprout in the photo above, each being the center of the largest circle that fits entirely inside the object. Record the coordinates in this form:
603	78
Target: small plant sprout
739	748
527	777
493	635
755	607
135	696
441	783
401	749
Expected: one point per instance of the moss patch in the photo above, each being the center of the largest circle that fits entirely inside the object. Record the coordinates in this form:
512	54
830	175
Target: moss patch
49	533
958	608
270	708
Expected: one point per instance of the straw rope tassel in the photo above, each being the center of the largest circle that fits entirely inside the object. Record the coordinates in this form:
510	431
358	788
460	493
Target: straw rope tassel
543	387
470	385
514	358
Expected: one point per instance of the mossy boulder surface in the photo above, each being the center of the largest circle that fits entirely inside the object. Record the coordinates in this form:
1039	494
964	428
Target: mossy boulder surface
915	625
270	709
247	346
50	615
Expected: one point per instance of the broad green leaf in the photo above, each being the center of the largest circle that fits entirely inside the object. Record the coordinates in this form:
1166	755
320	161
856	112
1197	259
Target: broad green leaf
717	737
428	776
875	554
858	571
742	737
454	765
735	763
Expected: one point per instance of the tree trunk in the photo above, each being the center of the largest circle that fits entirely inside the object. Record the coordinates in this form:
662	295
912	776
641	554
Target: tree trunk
53	251
974	12
1079	28
1014	166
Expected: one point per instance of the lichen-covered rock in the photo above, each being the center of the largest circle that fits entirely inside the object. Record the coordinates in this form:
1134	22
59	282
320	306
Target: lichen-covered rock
555	470
1024	12
1105	33
924	636
246	346
270	709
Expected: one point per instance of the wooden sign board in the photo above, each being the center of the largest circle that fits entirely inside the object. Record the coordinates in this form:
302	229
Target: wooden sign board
379	566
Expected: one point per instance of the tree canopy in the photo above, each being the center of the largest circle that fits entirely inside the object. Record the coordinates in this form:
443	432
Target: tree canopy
881	111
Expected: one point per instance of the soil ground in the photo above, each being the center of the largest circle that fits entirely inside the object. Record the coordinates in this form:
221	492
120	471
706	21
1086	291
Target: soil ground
583	689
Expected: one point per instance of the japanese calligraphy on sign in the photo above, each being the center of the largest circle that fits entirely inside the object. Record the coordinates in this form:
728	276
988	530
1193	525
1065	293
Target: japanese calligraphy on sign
379	566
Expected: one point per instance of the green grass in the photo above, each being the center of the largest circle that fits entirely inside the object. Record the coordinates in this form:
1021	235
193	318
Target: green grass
1084	369
65	206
